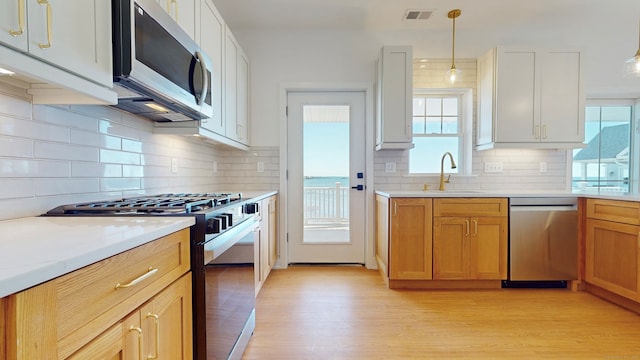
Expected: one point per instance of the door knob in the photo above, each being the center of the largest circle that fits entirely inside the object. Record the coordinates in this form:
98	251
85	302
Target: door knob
358	187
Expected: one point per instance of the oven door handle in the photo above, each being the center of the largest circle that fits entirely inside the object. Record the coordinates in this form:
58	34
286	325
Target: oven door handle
220	244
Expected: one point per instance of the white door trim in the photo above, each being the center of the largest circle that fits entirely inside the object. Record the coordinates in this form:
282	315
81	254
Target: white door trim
367	88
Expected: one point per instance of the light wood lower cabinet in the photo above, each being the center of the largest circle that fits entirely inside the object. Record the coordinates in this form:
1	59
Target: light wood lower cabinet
613	247
88	313
410	251
265	251
470	248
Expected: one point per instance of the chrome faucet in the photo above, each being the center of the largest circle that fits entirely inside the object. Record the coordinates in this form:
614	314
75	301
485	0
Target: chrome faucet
453	166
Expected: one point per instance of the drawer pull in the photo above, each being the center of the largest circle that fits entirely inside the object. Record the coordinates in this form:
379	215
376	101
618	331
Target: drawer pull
137	280
156	321
139	331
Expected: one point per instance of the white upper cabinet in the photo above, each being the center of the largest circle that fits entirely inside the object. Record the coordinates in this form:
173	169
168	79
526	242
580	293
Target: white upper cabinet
530	98
212	40
61	48
236	94
394	98
183	12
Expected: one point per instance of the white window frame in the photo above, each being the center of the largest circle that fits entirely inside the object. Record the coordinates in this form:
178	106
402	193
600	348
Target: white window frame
465	134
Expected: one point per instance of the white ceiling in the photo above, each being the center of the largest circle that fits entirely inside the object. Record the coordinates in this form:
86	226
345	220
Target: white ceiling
606	29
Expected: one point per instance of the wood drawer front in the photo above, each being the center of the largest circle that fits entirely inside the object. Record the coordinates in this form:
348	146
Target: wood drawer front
470	207
627	212
90	293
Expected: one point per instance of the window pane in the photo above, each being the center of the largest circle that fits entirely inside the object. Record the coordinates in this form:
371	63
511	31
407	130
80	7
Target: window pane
434	125
450	125
450	106
418	125
434	106
428	151
419	106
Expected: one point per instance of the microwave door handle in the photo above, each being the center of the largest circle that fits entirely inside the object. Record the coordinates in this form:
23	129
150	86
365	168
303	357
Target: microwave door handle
205	78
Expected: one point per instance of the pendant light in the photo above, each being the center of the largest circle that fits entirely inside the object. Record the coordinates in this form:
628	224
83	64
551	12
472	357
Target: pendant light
633	64
453	74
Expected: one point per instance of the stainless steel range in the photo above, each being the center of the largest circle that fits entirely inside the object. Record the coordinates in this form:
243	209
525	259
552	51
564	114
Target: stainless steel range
223	290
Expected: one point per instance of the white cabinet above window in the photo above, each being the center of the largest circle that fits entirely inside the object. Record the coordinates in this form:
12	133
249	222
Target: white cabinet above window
60	51
394	96
530	98
183	12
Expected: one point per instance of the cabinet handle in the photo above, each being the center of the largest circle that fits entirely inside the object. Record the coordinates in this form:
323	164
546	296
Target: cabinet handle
536	132
20	20
137	280
156	321
395	208
169	2
139	331
466	222
544	132
475	227
48	5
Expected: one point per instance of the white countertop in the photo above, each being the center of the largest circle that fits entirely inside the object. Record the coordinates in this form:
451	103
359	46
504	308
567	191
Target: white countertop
36	249
510	194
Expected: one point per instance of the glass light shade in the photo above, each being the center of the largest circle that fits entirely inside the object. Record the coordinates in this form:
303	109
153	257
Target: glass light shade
453	75
633	65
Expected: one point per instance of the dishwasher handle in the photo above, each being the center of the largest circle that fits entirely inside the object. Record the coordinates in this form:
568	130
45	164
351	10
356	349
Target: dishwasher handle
522	208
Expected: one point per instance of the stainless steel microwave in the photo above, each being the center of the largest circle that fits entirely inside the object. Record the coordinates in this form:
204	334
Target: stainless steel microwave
159	72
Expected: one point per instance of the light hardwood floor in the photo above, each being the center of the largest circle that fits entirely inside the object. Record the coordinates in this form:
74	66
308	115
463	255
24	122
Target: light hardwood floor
343	312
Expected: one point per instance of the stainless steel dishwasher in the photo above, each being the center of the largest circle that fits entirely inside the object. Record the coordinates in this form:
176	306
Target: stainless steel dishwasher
543	241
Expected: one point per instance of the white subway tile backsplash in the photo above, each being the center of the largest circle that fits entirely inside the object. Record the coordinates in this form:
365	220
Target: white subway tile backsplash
96	170
15	147
48	150
63	117
51	187
32	130
22	168
120	184
119	157
133	171
79	137
16	188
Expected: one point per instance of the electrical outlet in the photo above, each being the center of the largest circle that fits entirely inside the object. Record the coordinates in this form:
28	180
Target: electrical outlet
543	166
215	166
493	167
260	166
390	167
174	165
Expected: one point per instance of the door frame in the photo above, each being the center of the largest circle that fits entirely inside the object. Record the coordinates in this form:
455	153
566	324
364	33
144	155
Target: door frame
369	231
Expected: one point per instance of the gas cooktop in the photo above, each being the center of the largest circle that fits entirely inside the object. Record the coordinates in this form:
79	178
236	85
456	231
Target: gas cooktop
162	204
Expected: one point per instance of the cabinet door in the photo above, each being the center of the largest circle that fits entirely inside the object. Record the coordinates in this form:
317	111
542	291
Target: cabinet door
410	244
230	85
242	98
273	231
79	39
394	87
110	345
488	248
212	41
450	248
612	257
13	24
516	102
167	322
562	107
183	12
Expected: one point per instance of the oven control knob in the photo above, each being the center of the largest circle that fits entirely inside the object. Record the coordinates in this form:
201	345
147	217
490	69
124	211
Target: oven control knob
213	226
251	208
223	222
229	219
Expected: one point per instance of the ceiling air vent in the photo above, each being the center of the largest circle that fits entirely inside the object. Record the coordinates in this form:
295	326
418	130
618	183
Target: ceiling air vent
417	14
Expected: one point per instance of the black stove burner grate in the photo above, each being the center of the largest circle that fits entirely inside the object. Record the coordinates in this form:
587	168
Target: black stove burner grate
184	203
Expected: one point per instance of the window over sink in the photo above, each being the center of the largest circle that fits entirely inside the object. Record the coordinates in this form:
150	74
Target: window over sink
441	123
